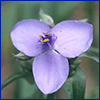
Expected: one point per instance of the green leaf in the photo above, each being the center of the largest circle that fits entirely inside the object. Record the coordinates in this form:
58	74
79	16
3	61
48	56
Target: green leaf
88	54
74	87
94	49
28	91
12	78
79	84
68	88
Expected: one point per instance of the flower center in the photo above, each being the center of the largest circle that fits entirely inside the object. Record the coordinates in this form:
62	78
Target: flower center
47	40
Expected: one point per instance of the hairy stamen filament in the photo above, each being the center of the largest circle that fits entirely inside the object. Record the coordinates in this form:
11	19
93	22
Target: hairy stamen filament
50	46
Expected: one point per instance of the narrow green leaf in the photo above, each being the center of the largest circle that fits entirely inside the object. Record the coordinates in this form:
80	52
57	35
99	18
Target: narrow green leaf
74	87
68	88
29	91
79	82
12	78
88	54
94	49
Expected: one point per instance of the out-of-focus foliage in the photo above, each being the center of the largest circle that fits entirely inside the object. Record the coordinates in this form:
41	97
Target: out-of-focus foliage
75	85
14	11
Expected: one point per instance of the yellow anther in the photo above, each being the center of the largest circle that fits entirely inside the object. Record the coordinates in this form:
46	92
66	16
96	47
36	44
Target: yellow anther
40	36
41	41
49	33
45	33
46	40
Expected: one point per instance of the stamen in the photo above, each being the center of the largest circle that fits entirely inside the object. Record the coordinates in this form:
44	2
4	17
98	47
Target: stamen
40	36
49	33
41	41
46	40
45	33
50	46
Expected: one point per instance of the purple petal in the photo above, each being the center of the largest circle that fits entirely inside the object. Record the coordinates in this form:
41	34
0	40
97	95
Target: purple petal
73	37
25	36
50	71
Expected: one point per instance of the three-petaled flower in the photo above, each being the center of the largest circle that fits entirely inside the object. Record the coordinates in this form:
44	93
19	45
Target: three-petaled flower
35	38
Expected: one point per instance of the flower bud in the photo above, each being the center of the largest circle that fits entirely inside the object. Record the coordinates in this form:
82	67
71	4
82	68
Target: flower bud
46	18
84	20
22	56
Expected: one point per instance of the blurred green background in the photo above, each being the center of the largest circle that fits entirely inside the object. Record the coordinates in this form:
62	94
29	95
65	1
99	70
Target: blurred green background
14	11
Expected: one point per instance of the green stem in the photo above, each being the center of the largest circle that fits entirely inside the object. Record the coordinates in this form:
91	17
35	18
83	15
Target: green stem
50	96
12	78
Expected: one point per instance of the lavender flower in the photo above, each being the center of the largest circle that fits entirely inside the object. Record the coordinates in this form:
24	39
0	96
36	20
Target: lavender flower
35	38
